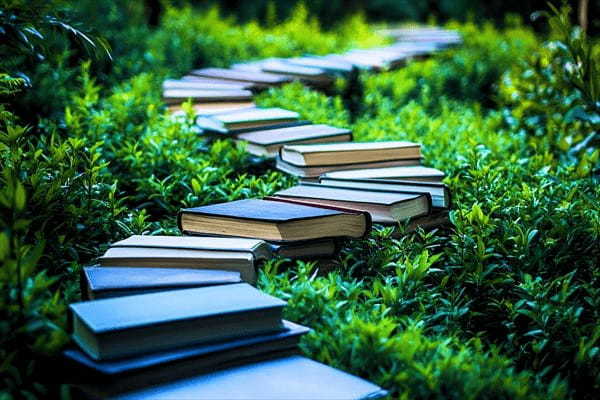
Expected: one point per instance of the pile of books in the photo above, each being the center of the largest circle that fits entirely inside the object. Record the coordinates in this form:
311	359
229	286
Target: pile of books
216	342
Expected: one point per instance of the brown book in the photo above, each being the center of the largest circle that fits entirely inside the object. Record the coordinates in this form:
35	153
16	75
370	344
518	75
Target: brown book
313	172
384	207
274	221
263	79
349	153
268	142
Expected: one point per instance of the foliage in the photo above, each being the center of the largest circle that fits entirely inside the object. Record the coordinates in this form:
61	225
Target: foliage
503	304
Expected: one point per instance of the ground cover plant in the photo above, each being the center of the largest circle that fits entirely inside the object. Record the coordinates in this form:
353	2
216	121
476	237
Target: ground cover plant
502	304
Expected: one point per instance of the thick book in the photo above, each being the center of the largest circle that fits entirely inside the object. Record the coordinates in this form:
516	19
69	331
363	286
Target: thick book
108	378
317	170
286	378
273	221
349	153
134	325
440	194
200	85
257	117
412	173
195	252
259	79
105	282
384	207
241	85
205	96
268	142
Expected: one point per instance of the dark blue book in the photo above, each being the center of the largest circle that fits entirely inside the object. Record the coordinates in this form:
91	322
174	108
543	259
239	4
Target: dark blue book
105	282
274	221
286	378
107	378
134	325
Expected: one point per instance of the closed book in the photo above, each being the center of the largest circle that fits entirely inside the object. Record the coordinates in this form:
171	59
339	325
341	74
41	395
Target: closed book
411	173
311	75
308	249
104	282
107	378
384	207
286	378
317	170
261	79
273	221
145	323
197	252
268	142
206	96
329	65
279	125
243	85
212	108
349	153
440	194
256	117
199	85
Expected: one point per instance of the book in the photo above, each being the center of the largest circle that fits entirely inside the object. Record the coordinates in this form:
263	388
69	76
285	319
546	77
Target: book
213	108
411	173
197	252
208	96
313	172
111	377
250	118
285	378
349	153
105	282
308	74
259	79
308	249
112	328
329	65
268	142
236	132
384	207
243	85
440	194
201	85
273	221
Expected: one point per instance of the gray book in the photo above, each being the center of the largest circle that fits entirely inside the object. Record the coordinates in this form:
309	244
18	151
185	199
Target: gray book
134	325
286	378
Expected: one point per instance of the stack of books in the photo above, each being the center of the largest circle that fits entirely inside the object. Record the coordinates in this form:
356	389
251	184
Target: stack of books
206	342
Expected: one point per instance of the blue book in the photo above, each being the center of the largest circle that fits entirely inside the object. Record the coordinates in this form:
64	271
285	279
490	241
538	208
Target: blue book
133	325
105	282
108	378
286	378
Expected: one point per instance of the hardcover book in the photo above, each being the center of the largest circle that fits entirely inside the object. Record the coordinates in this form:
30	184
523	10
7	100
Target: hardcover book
349	153
328	65
250	118
313	172
206	96
384	207
279	125
412	173
440	194
200	85
268	142
112	328
273	221
212	108
244	85
259	79
104	282
199	252
286	378
108	378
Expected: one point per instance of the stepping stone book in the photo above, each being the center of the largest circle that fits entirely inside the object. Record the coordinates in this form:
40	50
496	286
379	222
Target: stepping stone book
274	221
250	118
104	282
112	328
